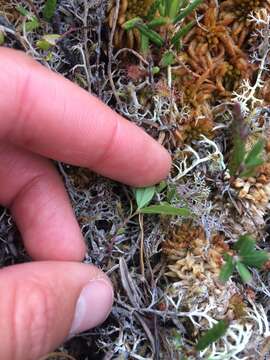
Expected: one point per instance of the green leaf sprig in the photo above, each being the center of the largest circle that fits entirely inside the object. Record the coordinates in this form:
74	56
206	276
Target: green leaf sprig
144	196
247	255
212	335
31	22
48	41
49	9
165	209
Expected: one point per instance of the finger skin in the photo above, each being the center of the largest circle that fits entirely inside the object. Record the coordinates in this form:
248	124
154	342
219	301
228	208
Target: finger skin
47	114
37	302
31	187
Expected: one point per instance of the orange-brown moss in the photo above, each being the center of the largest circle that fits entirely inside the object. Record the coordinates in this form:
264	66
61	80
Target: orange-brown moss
186	252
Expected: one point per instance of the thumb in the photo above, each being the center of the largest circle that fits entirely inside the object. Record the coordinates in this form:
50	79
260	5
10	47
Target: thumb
42	303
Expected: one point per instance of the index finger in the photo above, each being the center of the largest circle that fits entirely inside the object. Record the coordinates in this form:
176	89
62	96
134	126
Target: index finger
49	115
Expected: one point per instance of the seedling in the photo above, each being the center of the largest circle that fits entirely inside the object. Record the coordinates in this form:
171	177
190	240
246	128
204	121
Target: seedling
144	197
247	255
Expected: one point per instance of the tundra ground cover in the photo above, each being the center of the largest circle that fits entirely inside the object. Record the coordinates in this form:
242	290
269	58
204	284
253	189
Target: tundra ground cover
203	94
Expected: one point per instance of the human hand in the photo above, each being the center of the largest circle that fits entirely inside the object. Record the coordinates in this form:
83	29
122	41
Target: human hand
45	116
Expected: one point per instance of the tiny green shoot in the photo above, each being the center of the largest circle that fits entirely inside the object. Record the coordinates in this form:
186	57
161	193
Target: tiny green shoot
212	335
48	41
227	269
247	255
165	209
167	59
144	196
49	9
31	22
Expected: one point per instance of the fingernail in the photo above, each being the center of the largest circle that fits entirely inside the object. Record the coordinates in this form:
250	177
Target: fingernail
93	306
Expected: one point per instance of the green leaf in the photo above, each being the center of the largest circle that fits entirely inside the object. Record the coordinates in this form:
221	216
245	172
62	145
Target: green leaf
253	156
182	32
188	10
161	8
49	9
144	45
22	10
253	159
161	186
243	272
120	231
167	4
153	9
250	171
153	36
32	24
256	258
239	137
48	41
167	59
244	245
165	209
174	8
143	196
171	193
237	155
227	269
130	24
253	163
161	21
212	335
155	70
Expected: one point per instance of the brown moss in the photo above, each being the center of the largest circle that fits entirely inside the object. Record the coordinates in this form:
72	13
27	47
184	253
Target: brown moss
185	249
238	306
194	129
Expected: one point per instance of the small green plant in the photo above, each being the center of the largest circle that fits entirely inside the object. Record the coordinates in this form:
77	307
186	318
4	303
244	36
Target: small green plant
212	335
48	41
144	197
170	12
243	163
246	255
31	22
49	9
